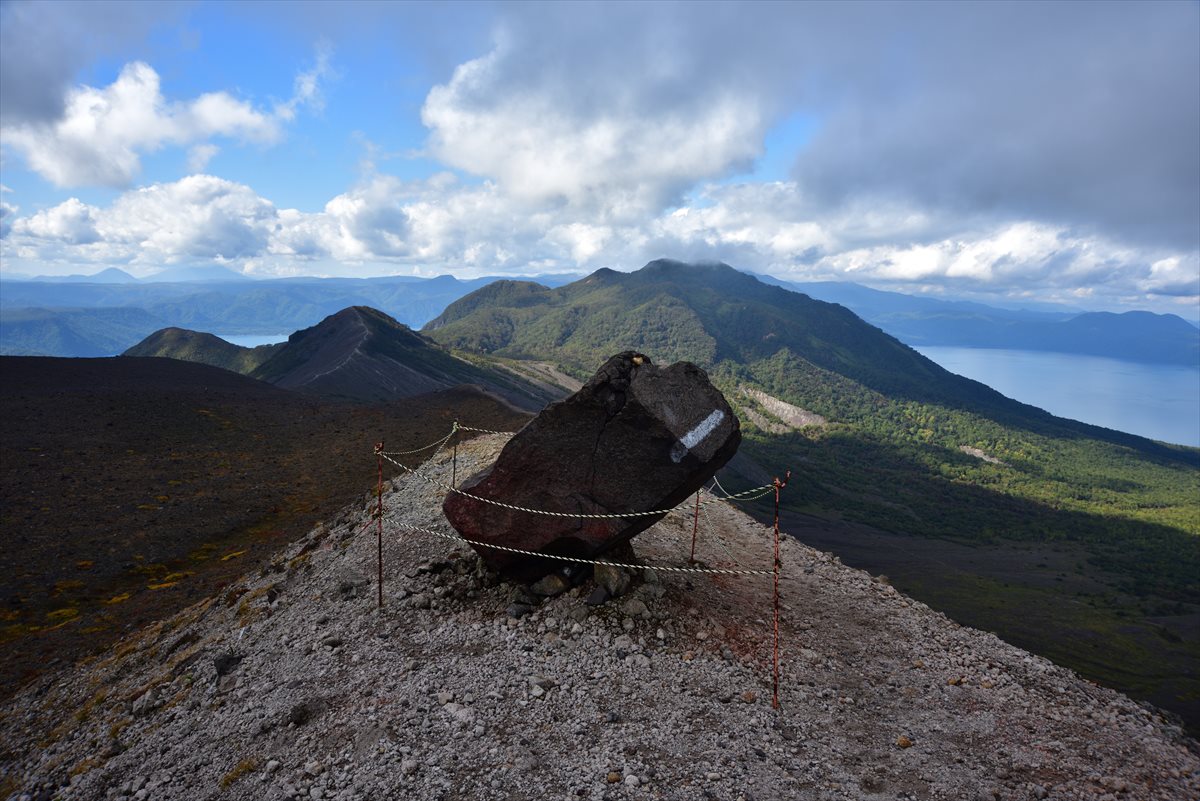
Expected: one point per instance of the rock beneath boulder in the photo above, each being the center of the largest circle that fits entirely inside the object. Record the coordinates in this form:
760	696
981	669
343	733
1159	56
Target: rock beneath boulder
614	580
637	437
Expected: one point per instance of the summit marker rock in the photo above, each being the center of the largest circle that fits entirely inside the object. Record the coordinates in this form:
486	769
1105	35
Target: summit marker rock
637	437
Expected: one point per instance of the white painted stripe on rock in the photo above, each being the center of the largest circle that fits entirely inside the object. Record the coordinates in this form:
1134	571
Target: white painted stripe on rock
694	437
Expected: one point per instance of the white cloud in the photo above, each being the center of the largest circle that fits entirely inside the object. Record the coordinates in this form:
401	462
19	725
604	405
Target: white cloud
7	213
438	225
102	133
69	223
614	158
200	155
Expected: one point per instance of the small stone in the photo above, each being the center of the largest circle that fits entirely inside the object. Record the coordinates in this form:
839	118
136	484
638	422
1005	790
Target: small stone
550	585
615	580
145	703
542	682
518	611
904	742
635	607
613	777
444	697
632	781
272	765
332	641
419	601
597	597
408	766
713	776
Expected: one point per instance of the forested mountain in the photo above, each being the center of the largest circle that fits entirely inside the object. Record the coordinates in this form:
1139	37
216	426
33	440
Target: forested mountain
879	435
72	332
202	348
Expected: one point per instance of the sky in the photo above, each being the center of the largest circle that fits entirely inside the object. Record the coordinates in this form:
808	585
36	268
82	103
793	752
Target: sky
1006	152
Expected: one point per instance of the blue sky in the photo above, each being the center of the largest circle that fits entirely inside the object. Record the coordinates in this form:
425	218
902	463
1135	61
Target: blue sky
1006	152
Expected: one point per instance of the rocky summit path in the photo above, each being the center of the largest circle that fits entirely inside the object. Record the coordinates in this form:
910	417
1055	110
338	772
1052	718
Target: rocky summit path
293	685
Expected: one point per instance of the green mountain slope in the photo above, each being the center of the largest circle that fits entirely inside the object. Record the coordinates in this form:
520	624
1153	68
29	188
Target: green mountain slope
72	332
197	346
878	435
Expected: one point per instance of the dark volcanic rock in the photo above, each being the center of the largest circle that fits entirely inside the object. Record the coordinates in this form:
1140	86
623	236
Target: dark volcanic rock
636	437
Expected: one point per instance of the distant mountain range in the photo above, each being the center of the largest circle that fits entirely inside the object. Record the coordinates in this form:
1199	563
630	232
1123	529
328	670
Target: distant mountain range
1136	336
72	332
1073	531
358	354
213	298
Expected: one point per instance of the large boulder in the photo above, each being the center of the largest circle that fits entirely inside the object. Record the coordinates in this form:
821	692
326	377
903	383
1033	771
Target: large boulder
637	437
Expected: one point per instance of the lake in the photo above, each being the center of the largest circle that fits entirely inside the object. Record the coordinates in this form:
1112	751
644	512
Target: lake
1157	401
252	340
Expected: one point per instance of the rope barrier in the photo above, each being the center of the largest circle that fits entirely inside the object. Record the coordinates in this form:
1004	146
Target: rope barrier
574	515
757	492
578	560
438	444
484	430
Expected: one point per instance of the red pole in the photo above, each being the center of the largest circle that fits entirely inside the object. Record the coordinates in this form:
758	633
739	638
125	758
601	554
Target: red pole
778	486
695	526
379	517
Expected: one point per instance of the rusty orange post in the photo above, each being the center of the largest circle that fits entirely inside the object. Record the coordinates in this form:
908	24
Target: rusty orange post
695	528
379	517
779	485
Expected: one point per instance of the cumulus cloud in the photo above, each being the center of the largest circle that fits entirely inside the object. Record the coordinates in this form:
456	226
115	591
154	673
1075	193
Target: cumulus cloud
102	133
69	223
440	225
1078	118
566	117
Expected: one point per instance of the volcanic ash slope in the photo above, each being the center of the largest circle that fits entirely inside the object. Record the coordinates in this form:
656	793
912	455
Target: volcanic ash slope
293	685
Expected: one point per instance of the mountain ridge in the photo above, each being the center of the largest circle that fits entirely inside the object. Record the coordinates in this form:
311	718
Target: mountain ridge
291	683
909	449
358	354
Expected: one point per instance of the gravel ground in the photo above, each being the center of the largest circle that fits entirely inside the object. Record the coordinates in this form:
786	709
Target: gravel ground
292	684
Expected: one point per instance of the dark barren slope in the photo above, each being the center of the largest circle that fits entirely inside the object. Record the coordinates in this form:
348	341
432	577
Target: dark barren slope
358	354
361	353
132	487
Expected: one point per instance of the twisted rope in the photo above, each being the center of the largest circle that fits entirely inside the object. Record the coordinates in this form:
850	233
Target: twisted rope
577	560
437	444
573	515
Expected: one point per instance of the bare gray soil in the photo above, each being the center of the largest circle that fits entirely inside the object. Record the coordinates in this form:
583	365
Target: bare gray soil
292	684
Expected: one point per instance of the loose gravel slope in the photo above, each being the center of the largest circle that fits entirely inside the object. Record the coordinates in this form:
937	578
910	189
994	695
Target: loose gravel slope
292	684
